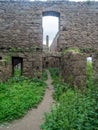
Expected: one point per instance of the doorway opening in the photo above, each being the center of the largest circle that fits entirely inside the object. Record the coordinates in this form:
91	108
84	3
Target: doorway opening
0	58
17	66
47	64
50	23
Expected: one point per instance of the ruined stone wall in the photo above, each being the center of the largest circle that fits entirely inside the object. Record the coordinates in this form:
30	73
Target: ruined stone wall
32	64
21	36
54	45
21	30
5	67
51	60
73	69
5	71
21	23
95	67
78	26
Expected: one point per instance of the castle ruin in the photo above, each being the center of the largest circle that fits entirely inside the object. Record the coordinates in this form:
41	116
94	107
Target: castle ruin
21	37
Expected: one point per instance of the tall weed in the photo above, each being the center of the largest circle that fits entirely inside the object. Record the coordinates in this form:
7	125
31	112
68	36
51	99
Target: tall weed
73	112
44	75
59	86
89	74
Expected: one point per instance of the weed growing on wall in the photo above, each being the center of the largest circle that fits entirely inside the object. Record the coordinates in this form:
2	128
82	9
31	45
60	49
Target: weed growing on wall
73	50
7	59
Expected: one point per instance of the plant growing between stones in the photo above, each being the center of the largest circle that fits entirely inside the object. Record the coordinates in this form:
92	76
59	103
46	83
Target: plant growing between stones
73	50
7	59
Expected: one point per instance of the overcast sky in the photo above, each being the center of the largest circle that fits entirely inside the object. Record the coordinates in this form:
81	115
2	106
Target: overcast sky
50	28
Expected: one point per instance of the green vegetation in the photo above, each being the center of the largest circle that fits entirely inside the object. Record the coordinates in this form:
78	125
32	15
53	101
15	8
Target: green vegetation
44	76
74	110
79	50
7	59
18	95
87	50
89	74
74	50
17	72
22	50
59	85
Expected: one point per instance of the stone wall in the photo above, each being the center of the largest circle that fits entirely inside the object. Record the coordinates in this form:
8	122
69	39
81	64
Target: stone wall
51	60
95	67
78	27
85	40
21	36
5	70
21	31
54	46
73	69
21	23
32	63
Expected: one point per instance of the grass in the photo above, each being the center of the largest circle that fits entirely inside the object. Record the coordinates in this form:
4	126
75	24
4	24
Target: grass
18	95
17	72
59	86
89	74
44	76
73	110
54	73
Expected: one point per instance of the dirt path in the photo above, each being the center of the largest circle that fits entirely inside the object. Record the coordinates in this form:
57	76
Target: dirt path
34	118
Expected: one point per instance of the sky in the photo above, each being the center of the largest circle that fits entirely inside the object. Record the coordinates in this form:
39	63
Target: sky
50	28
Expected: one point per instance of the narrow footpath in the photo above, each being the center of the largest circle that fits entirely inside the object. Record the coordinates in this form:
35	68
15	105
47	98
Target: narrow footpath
34	118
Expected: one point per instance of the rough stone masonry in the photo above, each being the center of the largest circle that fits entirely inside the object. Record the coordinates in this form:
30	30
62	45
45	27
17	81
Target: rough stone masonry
21	32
